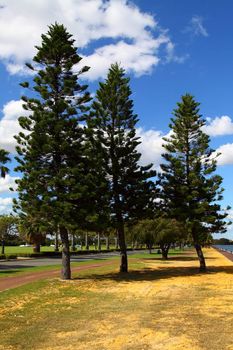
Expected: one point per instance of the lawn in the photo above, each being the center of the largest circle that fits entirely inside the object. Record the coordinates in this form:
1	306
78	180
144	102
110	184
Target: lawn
24	270
17	249
158	305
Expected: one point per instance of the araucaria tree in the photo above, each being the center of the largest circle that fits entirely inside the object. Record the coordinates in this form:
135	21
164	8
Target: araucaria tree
51	150
190	188
4	158
113	123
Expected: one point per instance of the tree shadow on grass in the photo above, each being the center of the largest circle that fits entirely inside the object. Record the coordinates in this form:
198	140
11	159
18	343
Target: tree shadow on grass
178	258
3	268
9	271
159	273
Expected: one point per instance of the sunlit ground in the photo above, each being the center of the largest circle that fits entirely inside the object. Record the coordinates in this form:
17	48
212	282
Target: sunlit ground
158	305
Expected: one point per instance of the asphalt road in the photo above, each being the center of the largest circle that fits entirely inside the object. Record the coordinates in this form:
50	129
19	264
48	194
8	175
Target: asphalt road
23	262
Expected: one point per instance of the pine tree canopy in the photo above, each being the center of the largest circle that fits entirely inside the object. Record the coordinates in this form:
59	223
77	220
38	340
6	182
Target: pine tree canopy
114	123
4	158
51	151
191	190
113	136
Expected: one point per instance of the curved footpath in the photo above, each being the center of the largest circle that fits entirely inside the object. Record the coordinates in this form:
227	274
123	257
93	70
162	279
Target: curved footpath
16	281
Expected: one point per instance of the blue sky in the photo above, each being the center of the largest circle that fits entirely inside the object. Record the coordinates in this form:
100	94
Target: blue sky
168	47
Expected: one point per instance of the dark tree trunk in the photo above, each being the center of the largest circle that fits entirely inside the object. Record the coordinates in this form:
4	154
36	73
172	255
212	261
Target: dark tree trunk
123	250
36	248
65	272
164	254
56	248
165	249
107	243
86	241
98	242
3	246
200	257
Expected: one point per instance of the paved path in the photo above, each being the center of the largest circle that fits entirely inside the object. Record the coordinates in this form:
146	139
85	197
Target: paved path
22	262
16	281
228	255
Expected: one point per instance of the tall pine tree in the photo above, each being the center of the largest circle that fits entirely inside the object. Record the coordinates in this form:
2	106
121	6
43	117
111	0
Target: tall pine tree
51	150
190	188
4	158
113	123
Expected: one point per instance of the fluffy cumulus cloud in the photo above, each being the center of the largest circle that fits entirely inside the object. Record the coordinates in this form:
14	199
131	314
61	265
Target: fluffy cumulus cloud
136	38
226	154
6	206
219	126
9	125
6	183
151	147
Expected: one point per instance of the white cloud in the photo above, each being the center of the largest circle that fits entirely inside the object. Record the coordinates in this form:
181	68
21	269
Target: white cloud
196	27
151	146
5	183
137	36
219	126
5	205
226	154
9	125
172	57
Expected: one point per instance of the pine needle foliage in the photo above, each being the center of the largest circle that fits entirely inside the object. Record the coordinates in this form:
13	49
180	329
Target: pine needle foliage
113	123
191	190
51	148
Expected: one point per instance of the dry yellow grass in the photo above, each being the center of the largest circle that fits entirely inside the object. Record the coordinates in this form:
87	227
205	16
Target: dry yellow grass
164	306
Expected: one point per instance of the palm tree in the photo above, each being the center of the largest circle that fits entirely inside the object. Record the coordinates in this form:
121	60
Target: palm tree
4	158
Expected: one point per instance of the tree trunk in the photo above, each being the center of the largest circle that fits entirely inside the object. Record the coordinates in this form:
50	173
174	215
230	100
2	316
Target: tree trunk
56	248
98	242
107	243
65	272
165	249
200	257
3	246
123	250
86	241
36	248
164	254
149	247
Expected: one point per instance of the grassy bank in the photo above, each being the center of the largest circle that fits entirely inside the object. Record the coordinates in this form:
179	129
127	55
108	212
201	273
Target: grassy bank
158	305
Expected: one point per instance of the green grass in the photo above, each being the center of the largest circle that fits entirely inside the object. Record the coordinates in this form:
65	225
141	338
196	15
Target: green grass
17	249
153	307
25	270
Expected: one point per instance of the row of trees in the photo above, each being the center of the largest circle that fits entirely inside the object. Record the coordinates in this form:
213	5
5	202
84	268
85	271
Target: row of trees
80	163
